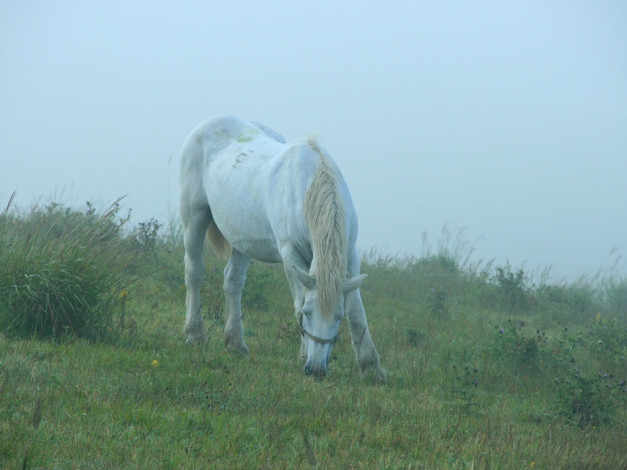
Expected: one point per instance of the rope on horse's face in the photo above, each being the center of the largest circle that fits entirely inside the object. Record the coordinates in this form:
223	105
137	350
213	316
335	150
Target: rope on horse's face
317	339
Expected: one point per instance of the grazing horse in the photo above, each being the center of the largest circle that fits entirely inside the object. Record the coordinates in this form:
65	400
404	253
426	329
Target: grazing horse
258	197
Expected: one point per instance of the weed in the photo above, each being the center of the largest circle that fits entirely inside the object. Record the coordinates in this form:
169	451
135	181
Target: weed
465	387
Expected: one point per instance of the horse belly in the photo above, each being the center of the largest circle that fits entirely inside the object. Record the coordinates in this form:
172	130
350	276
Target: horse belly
238	211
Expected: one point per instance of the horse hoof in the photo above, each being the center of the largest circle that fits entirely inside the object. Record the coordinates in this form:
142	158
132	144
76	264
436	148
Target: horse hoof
376	374
240	348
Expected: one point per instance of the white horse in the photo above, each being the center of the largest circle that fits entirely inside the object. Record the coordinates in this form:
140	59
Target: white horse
257	196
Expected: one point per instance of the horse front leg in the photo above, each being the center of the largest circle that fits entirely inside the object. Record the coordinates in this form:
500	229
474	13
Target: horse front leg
291	258
367	355
234	280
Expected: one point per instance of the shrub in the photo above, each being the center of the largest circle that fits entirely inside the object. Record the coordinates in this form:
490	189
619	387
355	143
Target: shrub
511	288
61	271
590	399
577	302
590	383
146	235
607	342
616	298
522	351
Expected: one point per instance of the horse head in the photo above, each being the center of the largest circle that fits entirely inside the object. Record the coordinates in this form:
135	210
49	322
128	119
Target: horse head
320	329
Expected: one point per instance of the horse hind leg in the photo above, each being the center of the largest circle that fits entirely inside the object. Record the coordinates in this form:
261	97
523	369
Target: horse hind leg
234	280
194	229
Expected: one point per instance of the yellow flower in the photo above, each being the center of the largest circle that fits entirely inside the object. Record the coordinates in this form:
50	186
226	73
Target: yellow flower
533	464
155	363
123	295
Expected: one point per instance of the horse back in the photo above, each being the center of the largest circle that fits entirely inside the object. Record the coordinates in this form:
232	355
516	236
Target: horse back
254	184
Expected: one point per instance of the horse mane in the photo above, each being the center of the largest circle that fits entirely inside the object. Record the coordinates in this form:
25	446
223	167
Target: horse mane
326	220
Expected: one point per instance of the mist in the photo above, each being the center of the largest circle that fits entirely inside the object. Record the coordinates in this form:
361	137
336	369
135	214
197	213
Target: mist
505	122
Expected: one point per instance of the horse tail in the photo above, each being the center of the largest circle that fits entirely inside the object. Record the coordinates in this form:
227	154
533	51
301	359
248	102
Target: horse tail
217	240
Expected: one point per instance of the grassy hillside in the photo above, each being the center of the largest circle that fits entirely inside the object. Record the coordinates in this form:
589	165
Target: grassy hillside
487	368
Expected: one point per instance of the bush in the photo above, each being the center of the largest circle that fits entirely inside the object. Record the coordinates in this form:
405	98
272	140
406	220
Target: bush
511	288
590	399
146	235
524	352
590	383
61	271
577	302
616	298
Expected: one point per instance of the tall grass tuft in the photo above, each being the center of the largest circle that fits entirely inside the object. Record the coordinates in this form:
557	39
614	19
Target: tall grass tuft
62	271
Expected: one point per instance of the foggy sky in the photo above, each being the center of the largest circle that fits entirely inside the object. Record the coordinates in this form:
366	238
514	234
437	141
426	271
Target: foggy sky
507	120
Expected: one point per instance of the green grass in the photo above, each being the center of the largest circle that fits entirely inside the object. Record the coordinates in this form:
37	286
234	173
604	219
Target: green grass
472	355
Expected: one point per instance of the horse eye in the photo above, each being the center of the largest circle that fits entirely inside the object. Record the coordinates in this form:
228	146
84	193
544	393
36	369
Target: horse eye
306	312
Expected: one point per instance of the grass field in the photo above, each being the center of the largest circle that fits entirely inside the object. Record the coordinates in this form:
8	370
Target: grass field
487	367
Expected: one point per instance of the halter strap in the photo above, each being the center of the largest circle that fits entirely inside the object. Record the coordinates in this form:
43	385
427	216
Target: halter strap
317	339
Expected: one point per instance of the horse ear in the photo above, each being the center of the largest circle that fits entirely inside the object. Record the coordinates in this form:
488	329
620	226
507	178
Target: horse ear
308	280
353	283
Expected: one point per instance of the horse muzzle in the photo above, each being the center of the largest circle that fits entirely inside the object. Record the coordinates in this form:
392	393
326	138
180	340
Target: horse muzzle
318	351
318	355
317	369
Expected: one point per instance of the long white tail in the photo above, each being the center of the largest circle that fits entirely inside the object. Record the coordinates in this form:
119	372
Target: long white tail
217	240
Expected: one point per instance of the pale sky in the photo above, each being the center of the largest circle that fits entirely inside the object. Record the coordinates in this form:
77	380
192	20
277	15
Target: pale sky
505	119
